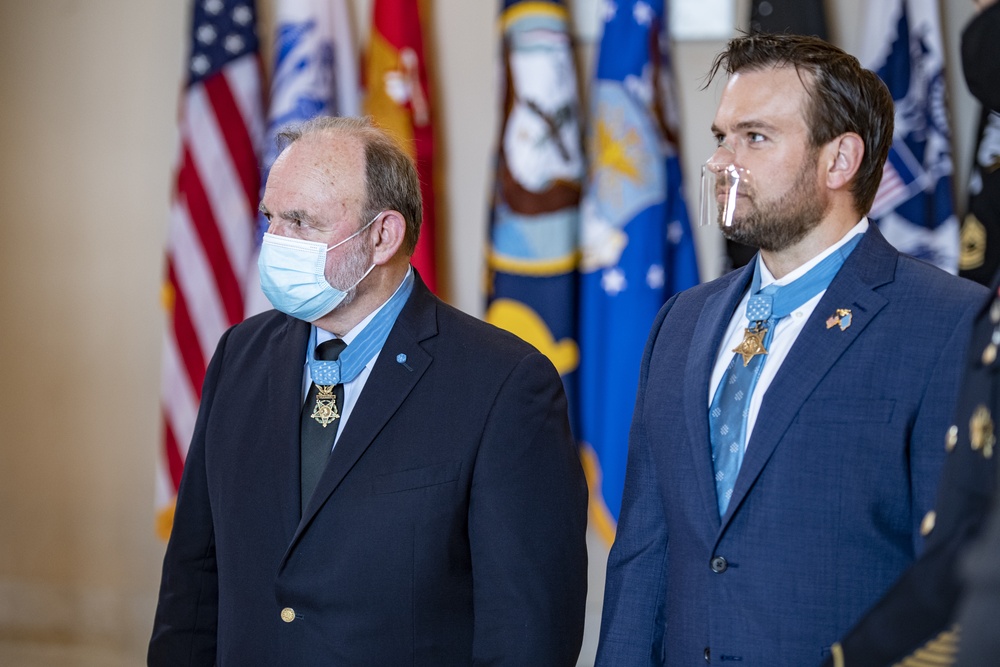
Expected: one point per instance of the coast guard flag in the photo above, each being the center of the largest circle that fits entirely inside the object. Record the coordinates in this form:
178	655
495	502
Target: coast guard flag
913	207
213	219
636	244
315	74
399	99
539	172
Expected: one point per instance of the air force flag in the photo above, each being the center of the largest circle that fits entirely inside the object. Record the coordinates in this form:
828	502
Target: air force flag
636	244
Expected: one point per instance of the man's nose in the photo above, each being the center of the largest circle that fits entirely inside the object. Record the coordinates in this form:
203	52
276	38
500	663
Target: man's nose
723	157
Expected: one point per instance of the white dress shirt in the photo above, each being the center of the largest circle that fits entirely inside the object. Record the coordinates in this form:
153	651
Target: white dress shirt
785	333
352	389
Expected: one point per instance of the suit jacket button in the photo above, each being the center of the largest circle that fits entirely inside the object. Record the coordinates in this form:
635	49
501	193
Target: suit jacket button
708	654
951	439
288	614
927	525
719	564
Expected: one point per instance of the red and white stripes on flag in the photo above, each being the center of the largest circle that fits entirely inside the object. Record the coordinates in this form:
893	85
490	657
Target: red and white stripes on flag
212	219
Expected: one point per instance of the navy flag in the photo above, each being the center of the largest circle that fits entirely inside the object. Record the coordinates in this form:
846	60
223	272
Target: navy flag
636	243
532	257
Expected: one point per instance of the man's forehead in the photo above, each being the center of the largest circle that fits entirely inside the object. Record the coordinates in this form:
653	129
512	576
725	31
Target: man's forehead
762	93
316	177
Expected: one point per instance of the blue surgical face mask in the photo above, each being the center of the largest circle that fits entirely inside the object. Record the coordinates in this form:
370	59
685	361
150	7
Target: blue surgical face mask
293	275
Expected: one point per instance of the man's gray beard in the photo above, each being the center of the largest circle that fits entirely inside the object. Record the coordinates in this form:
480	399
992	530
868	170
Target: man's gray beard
352	270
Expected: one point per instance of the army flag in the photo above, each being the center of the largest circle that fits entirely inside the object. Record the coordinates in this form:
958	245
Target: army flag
399	99
636	244
913	206
316	73
532	256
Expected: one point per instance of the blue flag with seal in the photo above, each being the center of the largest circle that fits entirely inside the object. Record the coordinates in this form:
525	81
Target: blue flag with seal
315	74
913	207
636	244
540	167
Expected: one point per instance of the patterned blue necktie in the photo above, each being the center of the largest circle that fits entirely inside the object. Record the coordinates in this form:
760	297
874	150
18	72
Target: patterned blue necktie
727	416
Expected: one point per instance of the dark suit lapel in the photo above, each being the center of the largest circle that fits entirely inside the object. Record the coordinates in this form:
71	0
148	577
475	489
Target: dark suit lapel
389	384
816	350
711	327
286	353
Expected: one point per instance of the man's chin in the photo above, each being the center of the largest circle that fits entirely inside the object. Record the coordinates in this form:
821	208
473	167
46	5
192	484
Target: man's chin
736	232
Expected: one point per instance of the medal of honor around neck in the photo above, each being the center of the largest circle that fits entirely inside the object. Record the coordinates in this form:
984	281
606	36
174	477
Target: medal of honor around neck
325	411
753	342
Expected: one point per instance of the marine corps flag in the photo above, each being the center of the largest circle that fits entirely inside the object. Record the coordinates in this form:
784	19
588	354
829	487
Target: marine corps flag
539	170
636	244
399	99
913	206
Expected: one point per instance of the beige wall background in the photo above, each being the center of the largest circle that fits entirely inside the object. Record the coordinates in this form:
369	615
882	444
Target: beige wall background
88	98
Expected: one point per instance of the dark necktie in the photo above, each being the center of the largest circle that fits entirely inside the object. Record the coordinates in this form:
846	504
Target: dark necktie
319	422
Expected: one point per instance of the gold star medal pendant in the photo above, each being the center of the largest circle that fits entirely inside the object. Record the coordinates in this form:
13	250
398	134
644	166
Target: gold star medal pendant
753	342
325	411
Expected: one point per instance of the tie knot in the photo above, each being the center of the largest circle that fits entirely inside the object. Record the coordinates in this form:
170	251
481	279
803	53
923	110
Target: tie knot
330	350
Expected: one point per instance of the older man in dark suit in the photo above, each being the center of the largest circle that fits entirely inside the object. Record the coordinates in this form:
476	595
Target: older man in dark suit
411	498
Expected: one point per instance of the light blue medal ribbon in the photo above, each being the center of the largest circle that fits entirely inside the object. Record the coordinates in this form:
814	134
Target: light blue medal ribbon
730	406
785	299
365	345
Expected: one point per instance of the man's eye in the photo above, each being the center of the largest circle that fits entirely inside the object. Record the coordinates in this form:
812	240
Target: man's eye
756	137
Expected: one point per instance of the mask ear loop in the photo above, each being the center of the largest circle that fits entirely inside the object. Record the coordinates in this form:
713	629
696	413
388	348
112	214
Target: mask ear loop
343	241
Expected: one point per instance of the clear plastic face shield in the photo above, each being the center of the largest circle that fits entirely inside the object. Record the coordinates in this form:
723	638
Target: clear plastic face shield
722	183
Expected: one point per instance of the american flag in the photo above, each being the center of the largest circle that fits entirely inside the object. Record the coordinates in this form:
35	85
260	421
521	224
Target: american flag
212	218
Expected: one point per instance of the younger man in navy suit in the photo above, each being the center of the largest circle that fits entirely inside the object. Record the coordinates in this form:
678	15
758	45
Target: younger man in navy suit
786	440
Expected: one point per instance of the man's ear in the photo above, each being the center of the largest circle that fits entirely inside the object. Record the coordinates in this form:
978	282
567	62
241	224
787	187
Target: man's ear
842	160
387	236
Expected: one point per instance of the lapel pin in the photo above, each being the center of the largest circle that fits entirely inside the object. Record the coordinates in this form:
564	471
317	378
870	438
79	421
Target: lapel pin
842	318
401	360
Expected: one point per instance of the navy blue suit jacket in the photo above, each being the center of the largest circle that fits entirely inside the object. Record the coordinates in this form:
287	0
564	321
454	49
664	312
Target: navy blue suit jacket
839	471
448	527
917	613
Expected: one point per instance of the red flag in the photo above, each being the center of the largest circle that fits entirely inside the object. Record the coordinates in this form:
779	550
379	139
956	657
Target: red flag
399	99
213	217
